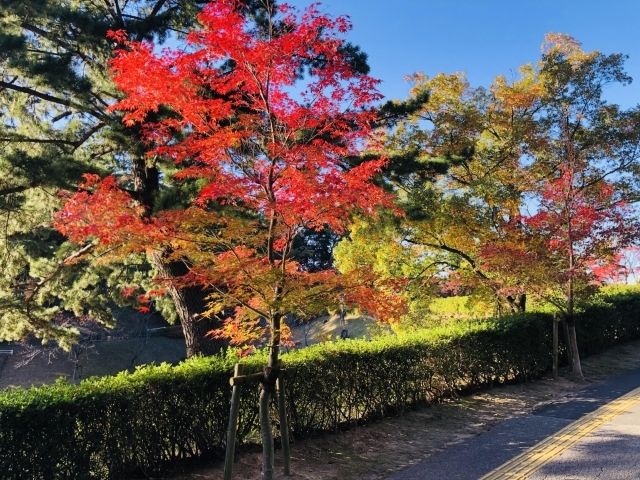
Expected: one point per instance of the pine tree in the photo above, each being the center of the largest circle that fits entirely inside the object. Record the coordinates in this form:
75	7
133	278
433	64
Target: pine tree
55	89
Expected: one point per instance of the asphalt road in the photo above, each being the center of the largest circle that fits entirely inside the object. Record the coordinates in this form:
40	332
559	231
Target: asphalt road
611	452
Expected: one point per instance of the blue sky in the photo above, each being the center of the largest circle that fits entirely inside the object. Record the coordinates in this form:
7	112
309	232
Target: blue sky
484	37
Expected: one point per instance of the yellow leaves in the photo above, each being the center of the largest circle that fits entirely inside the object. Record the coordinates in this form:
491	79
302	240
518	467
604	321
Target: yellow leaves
559	42
215	308
567	46
522	93
447	91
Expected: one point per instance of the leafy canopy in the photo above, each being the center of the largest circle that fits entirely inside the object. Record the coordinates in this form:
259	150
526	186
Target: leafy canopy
506	148
266	115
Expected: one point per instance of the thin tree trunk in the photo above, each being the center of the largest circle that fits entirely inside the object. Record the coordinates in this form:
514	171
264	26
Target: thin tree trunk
567	339
268	386
571	323
266	435
573	344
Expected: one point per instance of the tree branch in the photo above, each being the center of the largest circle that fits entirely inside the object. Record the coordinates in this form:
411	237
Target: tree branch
455	251
88	134
20	189
75	143
32	290
61	116
156	8
49	98
37	140
57	41
118	12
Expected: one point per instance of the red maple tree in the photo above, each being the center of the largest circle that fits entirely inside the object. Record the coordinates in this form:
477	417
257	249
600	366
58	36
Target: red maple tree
572	243
265	115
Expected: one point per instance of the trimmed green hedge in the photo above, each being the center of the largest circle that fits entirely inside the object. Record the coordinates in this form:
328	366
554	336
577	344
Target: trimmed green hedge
143	424
612	318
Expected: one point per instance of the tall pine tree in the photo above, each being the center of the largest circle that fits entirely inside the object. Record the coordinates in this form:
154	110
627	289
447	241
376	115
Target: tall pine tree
55	89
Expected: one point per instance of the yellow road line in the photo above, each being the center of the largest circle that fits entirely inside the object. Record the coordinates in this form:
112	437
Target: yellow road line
526	463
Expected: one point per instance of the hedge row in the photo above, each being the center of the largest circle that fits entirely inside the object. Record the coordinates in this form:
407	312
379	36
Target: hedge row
612	318
143	424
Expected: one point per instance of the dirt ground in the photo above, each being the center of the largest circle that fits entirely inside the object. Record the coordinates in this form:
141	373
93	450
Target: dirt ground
377	450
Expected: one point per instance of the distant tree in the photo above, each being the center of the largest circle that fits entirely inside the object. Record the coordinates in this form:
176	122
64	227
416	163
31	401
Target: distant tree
490	151
456	180
580	172
629	261
569	246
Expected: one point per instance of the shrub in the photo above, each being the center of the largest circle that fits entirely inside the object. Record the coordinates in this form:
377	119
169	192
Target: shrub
142	424
610	319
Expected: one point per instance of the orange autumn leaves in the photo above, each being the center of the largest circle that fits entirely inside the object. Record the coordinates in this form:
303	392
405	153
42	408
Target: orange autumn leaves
270	150
485	224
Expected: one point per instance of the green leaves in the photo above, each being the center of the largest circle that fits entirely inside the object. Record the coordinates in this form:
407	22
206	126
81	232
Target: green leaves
120	426
54	92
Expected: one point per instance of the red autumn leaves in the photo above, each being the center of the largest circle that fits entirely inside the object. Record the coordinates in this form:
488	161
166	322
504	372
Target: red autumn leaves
265	119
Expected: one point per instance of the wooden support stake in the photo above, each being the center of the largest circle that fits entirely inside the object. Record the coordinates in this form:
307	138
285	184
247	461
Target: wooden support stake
251	378
555	346
233	425
284	426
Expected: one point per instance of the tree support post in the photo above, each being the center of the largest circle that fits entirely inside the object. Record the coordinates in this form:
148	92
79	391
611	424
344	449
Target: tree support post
236	381
284	425
233	425
555	346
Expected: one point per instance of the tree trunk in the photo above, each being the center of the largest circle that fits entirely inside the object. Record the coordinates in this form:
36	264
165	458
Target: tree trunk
268	386
146	183
571	323
567	339
522	302
266	435
517	303
189	303
573	345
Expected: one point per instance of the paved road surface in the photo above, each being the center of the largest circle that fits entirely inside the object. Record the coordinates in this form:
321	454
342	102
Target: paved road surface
610	452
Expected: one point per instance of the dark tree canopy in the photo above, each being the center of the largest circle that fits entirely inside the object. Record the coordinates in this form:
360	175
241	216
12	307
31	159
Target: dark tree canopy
55	89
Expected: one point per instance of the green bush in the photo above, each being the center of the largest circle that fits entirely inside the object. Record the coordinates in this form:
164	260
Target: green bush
142	424
610	319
